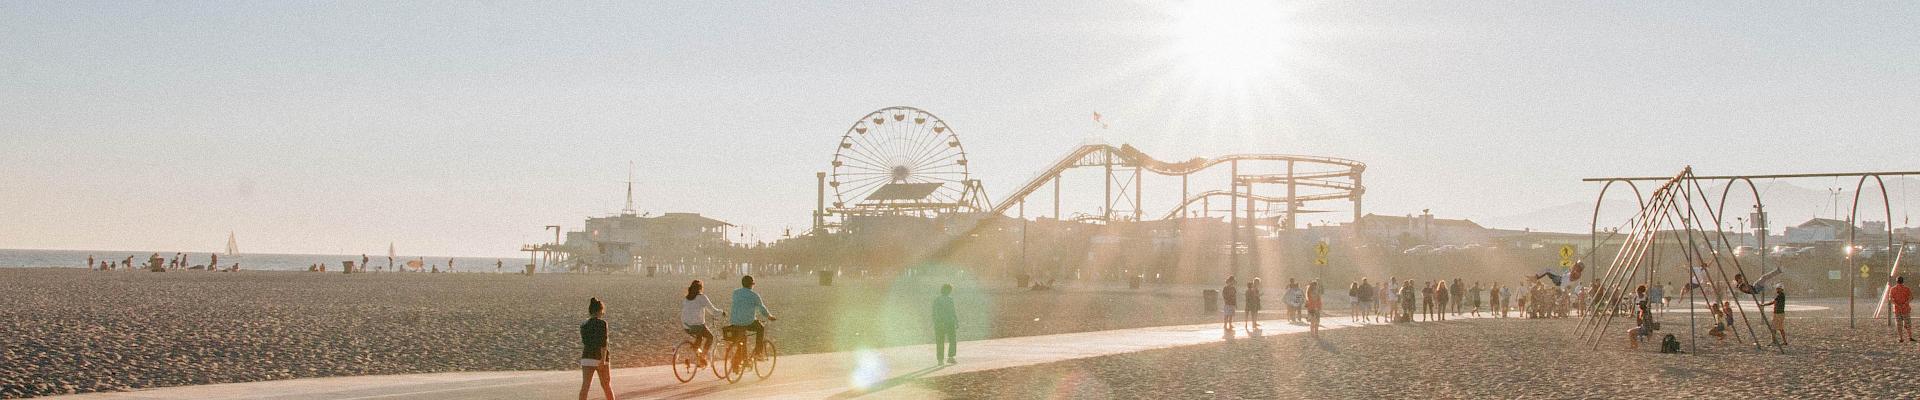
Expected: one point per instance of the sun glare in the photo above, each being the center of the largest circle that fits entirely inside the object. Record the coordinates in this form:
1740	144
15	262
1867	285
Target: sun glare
1229	41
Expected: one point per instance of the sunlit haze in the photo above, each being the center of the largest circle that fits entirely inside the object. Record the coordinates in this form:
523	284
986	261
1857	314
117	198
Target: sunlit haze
462	129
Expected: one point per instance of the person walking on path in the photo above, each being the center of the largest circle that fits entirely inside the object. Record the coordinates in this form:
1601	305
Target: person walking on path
1779	321
1229	297
594	353
1313	307
1253	304
945	326
1901	296
1443	299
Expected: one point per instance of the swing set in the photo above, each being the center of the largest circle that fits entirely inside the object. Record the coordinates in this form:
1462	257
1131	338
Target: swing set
1681	214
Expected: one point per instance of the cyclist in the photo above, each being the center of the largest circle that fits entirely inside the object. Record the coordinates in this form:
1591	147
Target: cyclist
693	314
746	308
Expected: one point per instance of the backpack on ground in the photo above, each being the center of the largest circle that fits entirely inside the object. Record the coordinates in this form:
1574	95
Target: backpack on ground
1669	344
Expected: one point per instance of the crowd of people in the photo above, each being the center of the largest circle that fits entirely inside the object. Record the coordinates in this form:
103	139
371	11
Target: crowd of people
180	262
1394	300
157	263
1547	295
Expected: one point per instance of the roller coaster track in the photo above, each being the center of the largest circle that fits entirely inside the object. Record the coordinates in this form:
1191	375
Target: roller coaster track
1127	156
1262	198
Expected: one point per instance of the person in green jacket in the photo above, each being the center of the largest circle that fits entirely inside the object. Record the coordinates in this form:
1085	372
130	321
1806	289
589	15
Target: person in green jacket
945	325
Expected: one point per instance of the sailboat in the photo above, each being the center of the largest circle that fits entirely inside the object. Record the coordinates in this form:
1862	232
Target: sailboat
233	247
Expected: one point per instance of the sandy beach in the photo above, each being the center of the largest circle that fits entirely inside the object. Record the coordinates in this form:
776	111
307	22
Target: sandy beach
75	331
1484	358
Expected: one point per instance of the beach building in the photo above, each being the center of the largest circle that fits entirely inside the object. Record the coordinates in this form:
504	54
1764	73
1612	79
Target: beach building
1424	229
626	241
1816	230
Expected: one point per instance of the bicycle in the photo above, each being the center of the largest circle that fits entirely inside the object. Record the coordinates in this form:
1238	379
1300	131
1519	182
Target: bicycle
687	360
737	360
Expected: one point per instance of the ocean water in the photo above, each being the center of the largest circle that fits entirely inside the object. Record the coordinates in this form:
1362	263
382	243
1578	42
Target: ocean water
10	258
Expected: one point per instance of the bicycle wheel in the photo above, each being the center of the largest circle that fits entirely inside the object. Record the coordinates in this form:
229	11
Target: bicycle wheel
686	362
736	362
765	369
716	360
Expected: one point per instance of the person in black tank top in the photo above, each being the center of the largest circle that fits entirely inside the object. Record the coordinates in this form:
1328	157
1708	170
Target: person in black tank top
593	352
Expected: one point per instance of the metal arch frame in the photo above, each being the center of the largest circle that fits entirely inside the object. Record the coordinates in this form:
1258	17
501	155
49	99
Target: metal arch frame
843	207
1853	233
1593	227
1720	213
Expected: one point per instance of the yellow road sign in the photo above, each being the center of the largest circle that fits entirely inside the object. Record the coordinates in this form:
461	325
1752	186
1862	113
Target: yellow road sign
1863	270
1320	253
1566	255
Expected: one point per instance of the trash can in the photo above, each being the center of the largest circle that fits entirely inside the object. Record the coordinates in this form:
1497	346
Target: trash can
1210	300
1134	282
826	277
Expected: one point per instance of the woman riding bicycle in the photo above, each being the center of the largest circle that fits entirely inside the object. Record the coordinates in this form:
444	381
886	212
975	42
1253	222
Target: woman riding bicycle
693	314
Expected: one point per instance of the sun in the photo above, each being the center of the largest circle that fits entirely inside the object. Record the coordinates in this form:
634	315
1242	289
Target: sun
1230	41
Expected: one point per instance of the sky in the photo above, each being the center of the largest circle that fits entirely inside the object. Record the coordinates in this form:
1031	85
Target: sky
459	128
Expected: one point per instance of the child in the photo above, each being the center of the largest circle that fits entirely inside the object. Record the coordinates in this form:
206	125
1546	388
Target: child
1719	330
1228	299
1253	304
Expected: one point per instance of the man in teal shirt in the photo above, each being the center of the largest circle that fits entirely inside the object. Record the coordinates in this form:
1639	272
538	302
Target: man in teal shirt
746	310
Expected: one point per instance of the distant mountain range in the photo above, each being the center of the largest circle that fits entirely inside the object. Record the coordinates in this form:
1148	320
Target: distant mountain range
1787	203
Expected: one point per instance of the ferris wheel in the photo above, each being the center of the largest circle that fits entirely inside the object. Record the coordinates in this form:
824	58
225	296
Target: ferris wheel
899	158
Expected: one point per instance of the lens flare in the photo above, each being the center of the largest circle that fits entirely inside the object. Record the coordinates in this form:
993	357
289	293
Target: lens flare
1230	42
869	368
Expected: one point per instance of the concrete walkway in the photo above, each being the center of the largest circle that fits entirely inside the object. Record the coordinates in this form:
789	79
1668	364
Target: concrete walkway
888	372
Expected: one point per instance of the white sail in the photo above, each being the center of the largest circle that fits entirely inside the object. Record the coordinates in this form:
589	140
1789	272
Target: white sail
389	249
233	247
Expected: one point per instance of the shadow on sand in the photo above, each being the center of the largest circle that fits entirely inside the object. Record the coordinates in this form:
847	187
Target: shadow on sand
888	384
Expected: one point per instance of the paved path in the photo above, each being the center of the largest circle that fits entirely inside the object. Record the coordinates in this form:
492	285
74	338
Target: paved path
887	371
